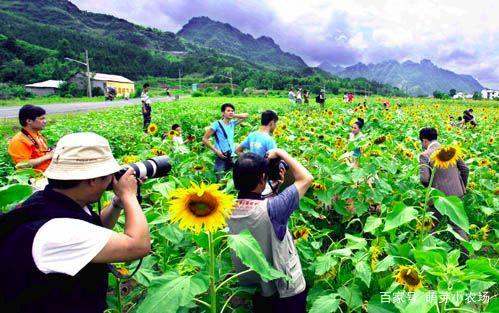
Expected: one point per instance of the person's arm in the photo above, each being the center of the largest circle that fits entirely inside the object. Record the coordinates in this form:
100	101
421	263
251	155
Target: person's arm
110	214
424	169
464	171
21	154
303	178
135	242
207	142
243	146
241	117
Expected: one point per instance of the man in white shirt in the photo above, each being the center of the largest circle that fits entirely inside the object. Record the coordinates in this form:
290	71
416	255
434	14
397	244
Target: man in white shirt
54	249
146	106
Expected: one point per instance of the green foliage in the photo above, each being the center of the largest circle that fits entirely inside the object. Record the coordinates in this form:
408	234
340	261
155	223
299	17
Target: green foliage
248	250
440	95
197	94
13	194
477	96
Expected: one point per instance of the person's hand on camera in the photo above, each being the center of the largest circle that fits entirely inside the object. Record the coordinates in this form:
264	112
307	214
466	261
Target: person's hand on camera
273	154
221	155
126	186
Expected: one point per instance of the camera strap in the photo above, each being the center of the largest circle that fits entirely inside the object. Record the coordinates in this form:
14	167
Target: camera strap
224	133
32	139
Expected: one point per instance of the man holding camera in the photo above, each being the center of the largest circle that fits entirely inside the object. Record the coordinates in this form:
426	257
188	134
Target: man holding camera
28	148
54	249
267	221
223	131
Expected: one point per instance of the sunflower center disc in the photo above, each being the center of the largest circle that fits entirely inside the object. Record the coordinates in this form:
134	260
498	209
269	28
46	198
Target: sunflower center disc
200	208
412	278
446	155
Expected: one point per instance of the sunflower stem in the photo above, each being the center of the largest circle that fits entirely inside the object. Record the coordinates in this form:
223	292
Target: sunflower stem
426	205
213	291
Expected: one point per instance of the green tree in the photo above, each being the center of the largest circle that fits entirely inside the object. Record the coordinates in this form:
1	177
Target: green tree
452	92
477	96
14	71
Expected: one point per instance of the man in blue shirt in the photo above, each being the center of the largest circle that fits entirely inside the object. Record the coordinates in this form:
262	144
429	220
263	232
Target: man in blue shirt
223	131
260	142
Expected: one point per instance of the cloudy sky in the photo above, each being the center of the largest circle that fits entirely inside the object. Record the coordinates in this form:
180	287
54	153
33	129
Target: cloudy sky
459	35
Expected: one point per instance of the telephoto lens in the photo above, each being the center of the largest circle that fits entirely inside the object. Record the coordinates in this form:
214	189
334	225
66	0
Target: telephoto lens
151	168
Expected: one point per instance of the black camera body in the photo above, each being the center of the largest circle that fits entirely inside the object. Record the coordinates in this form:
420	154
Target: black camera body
229	163
274	167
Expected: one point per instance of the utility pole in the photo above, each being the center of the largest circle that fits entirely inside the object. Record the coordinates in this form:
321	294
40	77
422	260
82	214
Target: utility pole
87	65
179	79
231	85
89	87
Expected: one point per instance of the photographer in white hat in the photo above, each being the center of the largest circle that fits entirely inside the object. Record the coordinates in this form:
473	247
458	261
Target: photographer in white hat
54	248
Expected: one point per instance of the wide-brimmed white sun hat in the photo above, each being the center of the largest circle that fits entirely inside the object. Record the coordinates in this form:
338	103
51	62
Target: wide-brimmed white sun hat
81	156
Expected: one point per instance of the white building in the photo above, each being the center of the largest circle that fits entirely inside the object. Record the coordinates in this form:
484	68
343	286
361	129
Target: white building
48	87
462	95
490	94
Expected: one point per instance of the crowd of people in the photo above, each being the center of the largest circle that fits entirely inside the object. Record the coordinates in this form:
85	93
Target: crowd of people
54	247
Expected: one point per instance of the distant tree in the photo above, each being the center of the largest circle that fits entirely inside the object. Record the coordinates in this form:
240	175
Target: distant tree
440	95
14	71
477	96
452	92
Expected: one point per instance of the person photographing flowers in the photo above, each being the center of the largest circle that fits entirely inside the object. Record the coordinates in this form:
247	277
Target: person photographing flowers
54	249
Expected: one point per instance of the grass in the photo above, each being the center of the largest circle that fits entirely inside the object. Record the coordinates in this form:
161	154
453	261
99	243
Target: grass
47	100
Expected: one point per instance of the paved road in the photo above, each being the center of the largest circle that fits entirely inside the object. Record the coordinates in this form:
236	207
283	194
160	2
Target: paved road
57	108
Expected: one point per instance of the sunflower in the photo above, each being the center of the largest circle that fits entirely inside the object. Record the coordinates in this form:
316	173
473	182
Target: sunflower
446	156
448	128
152	129
375	253
425	224
200	207
380	140
157	151
302	232
318	186
190	138
409	277
302	139
172	134
485	232
408	154
130	159
199	168
484	162
491	140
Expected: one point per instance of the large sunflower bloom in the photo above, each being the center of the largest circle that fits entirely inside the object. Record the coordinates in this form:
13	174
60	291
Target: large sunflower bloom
152	129
446	156
409	277
200	207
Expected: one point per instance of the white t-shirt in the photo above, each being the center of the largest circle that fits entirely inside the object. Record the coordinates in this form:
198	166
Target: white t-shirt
144	97
66	245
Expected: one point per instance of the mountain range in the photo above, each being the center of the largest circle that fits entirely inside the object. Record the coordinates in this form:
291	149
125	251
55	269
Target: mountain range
224	38
416	79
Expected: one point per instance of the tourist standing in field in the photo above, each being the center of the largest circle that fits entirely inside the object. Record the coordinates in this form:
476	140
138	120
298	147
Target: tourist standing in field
451	179
146	106
291	96
299	96
267	220
356	135
306	96
178	141
28	148
261	141
321	98
54	249
223	131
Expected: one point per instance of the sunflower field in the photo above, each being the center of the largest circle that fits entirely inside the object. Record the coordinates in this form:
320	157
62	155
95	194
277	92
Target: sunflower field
365	236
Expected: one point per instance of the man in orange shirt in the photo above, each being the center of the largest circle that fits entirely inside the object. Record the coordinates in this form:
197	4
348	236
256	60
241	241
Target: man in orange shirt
28	148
